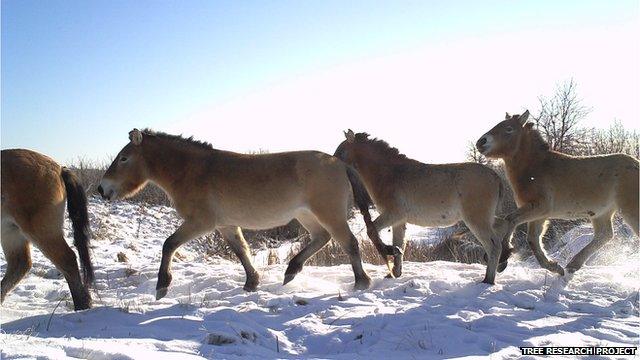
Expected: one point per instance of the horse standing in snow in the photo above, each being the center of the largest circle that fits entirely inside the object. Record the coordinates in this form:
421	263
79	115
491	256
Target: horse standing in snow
34	189
408	191
548	184
226	191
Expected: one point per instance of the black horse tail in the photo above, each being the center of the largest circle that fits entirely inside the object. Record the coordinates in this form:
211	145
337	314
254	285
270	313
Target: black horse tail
77	208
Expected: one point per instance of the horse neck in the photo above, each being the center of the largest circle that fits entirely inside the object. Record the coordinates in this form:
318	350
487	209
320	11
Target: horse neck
526	157
166	163
375	169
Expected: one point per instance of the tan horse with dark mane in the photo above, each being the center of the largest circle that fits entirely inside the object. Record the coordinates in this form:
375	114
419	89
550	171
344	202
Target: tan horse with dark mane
34	190
226	191
548	184
408	191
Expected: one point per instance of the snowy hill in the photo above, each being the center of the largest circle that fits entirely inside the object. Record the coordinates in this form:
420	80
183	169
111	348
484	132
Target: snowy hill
436	310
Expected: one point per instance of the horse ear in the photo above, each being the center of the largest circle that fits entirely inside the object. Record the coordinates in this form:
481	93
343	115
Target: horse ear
523	118
350	135
135	136
507	116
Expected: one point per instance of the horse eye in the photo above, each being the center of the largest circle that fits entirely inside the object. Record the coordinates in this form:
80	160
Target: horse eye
509	129
123	159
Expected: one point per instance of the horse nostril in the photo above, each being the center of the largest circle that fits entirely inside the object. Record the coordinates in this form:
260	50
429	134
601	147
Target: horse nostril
481	142
100	191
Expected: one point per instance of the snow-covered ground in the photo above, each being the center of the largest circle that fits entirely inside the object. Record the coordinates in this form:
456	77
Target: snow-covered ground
435	310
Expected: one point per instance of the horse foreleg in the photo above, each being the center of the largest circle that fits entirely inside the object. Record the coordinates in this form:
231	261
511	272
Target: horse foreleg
398	243
187	231
535	232
386	219
526	213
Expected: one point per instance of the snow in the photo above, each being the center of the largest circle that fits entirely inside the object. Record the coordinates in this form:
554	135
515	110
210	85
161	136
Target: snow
435	310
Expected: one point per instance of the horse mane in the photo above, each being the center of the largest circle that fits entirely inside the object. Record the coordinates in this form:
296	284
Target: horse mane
379	145
537	141
178	139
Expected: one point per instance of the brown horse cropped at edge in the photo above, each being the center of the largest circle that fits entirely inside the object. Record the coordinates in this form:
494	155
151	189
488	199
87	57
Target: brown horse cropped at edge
408	191
226	191
548	184
34	189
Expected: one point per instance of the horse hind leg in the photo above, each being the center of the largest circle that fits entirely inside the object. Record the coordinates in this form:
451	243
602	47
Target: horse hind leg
490	242
337	226
319	238
55	248
629	212
602	233
17	252
233	236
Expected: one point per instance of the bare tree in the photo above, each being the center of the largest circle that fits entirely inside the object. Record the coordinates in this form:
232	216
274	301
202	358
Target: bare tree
474	155
615	139
559	118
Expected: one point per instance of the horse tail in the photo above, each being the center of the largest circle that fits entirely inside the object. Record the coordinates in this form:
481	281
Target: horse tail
363	201
77	208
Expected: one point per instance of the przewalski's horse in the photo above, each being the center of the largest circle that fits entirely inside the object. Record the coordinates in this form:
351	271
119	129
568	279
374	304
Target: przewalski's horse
548	184
408	191
34	189
226	191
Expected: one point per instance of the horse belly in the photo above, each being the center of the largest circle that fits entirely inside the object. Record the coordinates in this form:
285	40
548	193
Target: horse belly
259	215
434	216
580	206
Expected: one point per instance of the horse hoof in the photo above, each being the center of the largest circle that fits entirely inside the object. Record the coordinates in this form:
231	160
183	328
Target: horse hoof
82	306
160	293
502	266
288	278
252	284
488	282
559	270
389	276
362	284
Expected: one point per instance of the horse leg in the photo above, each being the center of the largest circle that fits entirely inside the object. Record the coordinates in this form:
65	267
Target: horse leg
319	238
384	220
343	235
233	236
527	213
55	248
398	243
501	229
602	233
535	232
187	231
17	253
629	212
491	243
337	226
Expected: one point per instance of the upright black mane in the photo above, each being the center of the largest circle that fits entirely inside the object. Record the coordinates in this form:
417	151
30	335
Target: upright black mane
178	139
379	145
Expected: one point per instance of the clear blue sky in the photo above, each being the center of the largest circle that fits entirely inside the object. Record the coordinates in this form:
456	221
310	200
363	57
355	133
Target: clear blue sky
78	75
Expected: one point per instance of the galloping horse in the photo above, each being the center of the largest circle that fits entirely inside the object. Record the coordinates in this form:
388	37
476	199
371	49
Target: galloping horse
548	184
408	191
226	191
34	188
